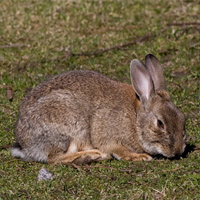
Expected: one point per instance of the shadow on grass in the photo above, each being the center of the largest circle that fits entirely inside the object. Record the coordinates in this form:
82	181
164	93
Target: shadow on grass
189	148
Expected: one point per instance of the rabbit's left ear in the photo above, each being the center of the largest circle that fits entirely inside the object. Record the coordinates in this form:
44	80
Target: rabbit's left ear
141	80
156	71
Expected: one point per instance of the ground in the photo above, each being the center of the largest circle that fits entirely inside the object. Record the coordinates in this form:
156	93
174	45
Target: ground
39	39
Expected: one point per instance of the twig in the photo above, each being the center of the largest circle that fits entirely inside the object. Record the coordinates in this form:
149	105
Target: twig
13	46
6	86
122	46
129	170
195	45
159	192
184	24
5	146
118	47
76	166
97	166
196	148
151	173
138	40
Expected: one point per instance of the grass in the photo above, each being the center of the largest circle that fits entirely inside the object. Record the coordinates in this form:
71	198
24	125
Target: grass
34	36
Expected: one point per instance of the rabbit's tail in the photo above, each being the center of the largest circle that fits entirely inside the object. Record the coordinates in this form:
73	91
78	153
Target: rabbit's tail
32	153
16	151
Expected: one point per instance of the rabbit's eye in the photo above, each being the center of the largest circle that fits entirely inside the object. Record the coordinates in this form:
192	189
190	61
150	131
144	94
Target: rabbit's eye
160	124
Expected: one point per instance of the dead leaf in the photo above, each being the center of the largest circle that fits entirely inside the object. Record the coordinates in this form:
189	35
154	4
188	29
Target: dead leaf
10	94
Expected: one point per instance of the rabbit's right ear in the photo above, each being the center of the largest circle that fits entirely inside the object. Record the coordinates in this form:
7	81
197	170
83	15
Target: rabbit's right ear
141	80
156	70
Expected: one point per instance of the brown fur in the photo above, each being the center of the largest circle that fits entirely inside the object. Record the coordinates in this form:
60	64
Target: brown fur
83	116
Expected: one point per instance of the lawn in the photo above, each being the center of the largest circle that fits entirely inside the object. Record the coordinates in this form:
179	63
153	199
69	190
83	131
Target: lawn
39	39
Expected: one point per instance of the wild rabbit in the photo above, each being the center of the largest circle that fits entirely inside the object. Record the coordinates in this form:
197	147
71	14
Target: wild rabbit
83	116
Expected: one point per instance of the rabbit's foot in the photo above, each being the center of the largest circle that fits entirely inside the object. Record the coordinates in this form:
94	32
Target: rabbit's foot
137	157
80	157
123	153
93	155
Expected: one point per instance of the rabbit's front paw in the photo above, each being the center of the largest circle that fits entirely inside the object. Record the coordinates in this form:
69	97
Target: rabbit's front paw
138	157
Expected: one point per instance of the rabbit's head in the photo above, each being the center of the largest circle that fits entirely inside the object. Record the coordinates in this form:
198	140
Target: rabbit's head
160	124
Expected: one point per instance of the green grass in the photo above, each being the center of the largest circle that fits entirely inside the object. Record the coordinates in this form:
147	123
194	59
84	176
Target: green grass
34	36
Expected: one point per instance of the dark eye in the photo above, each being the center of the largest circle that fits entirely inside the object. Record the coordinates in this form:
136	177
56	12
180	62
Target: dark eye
160	124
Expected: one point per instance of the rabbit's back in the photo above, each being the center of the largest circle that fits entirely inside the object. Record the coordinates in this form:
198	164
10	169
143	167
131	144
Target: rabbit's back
93	85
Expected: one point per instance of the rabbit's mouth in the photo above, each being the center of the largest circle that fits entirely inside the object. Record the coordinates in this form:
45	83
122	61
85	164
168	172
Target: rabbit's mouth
167	150
169	154
157	149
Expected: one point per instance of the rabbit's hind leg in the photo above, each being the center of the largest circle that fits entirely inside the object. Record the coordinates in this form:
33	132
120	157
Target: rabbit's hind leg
80	157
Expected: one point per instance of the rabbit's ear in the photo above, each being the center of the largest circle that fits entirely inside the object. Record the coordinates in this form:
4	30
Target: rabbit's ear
156	71
141	80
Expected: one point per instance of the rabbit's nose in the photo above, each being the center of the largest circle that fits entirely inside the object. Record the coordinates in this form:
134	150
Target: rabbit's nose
180	150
